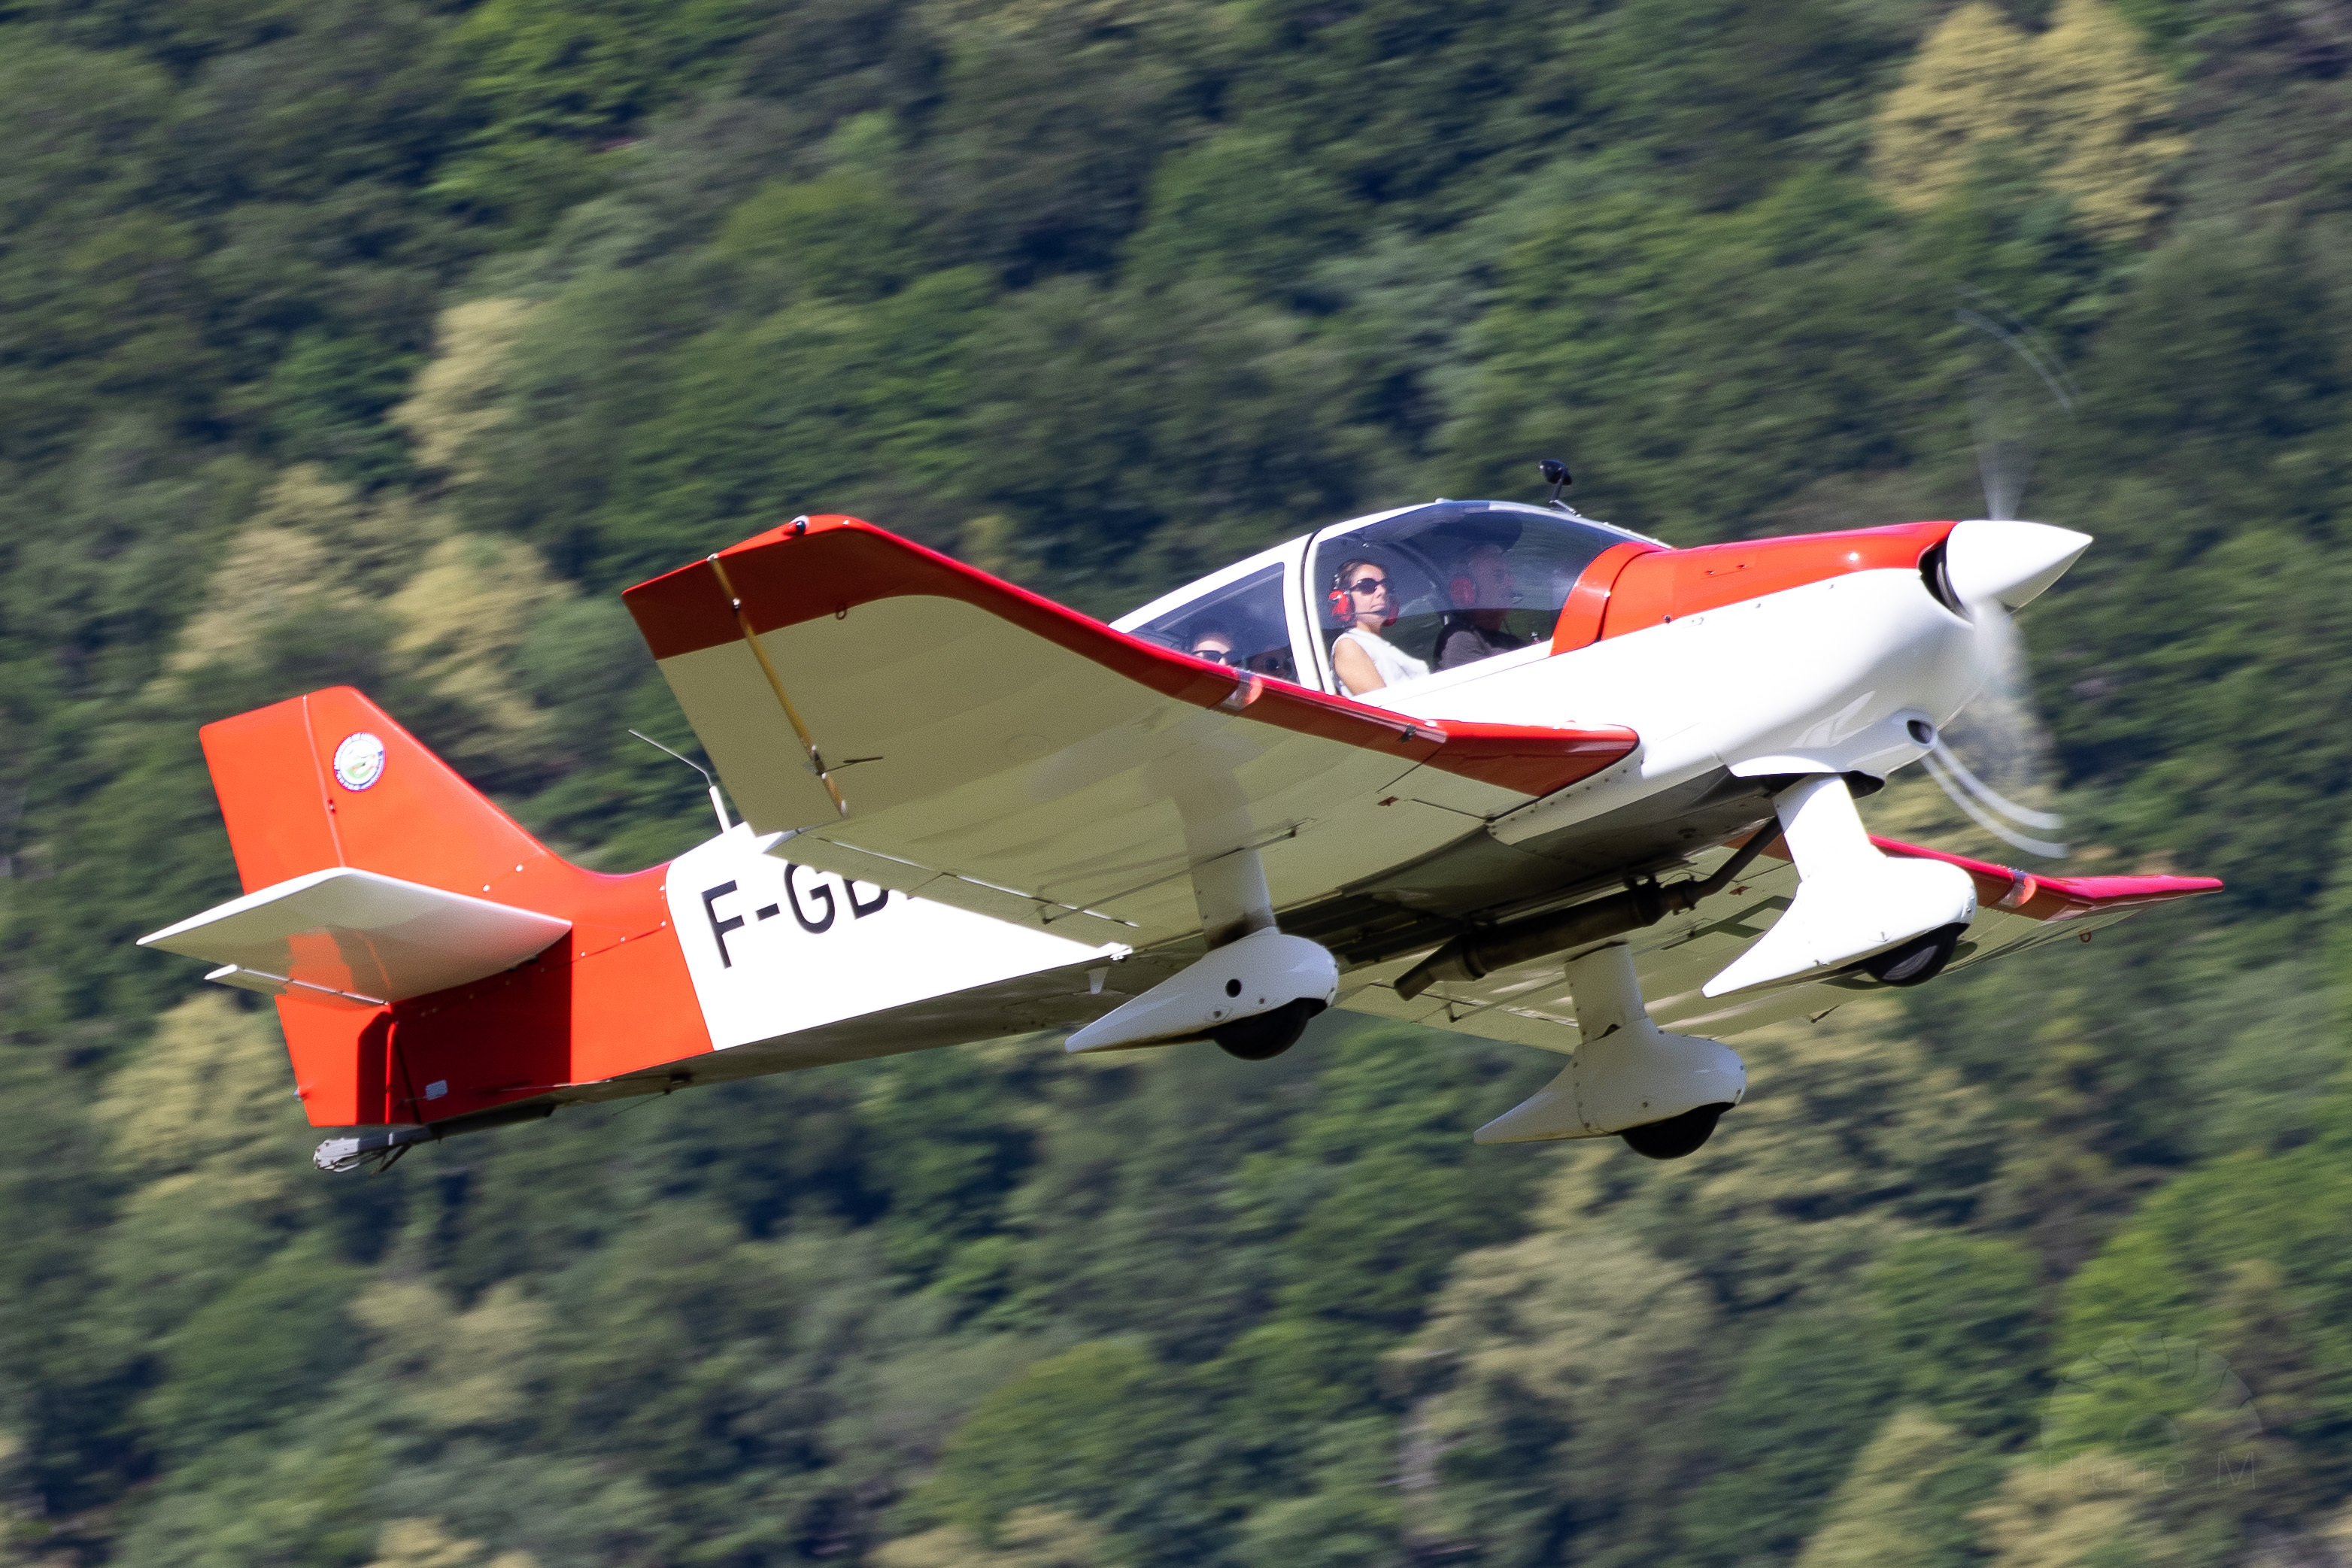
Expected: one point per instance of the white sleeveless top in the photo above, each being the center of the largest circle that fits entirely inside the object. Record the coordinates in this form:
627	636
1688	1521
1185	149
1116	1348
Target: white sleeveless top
1393	664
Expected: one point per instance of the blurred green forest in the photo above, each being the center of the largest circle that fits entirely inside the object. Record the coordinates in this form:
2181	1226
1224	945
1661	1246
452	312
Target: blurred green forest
380	342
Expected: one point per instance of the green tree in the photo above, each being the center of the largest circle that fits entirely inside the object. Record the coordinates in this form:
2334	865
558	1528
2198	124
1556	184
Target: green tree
1807	1397
1957	1316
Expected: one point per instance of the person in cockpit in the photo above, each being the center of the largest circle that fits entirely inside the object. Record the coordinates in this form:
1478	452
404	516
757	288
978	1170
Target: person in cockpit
1364	602
1483	590
1214	643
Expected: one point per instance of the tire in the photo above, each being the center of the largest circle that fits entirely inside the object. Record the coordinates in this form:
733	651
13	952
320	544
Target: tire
1676	1136
1269	1034
1918	961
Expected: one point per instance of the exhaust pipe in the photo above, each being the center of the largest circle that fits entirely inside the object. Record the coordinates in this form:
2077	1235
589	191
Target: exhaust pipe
1476	955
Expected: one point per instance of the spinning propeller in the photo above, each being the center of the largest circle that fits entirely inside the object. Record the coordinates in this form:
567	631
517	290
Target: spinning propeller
1998	749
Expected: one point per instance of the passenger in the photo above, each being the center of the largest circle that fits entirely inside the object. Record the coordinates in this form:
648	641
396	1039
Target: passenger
1215	644
1276	662
1363	601
1484	590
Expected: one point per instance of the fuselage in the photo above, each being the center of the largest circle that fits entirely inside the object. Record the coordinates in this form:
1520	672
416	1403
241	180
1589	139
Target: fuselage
1739	667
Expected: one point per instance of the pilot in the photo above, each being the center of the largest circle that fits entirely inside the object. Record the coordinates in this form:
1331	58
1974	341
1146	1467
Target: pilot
1364	602
1482	590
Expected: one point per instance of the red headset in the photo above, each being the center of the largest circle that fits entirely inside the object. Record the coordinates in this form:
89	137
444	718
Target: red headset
1342	607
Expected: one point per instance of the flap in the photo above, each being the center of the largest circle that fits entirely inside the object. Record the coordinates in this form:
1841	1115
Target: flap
358	937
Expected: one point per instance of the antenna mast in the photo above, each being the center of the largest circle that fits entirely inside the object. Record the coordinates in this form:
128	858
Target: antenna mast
718	803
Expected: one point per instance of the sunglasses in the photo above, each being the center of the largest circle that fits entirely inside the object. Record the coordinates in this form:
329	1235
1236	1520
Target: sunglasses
1218	655
1368	585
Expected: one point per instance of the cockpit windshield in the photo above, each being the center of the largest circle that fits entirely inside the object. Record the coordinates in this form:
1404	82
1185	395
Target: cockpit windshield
1445	585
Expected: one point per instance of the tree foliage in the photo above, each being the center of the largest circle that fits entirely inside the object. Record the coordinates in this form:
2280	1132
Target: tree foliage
2082	103
385	342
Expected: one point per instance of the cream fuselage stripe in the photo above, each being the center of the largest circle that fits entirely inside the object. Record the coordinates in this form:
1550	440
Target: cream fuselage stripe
846	949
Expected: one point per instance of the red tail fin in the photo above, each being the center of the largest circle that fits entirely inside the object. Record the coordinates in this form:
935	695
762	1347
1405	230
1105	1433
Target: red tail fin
329	779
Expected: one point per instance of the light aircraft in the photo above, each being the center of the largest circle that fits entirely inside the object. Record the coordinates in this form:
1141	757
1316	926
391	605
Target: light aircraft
1490	767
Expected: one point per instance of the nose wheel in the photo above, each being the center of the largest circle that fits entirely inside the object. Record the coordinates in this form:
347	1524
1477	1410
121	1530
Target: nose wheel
1661	1093
1855	903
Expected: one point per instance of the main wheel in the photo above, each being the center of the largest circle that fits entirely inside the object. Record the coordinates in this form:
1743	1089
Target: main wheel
1269	1034
1676	1136
1918	961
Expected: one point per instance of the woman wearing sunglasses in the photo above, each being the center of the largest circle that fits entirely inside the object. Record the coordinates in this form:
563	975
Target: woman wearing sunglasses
1216	644
1364	602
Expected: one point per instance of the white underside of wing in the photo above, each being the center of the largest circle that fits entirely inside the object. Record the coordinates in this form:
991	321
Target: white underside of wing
990	769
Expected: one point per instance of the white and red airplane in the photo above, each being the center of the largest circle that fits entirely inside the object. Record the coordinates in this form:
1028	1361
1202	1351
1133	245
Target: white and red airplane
1578	767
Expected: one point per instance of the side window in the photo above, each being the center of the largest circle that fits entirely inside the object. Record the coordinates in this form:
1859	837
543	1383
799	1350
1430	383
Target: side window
1241	624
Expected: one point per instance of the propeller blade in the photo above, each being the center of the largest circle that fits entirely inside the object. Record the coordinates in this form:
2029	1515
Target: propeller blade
2005	426
2048	821
1998	565
1946	772
2003	465
2012	745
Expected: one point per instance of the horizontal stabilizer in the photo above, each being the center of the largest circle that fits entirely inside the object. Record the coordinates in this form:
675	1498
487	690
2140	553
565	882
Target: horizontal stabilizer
358	937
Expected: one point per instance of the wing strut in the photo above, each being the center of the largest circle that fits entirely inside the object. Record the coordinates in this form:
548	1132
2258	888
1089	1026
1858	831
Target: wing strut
776	684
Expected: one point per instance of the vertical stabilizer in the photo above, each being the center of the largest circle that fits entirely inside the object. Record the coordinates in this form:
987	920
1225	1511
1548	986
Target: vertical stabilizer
329	779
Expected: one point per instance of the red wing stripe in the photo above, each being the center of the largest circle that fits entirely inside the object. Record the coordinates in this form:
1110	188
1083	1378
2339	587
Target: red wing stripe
825	566
2058	897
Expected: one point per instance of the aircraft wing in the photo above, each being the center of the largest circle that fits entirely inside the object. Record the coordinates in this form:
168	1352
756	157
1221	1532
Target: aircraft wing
1530	1004
991	749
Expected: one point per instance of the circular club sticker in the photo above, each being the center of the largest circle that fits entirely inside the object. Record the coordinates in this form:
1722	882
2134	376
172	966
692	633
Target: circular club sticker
358	760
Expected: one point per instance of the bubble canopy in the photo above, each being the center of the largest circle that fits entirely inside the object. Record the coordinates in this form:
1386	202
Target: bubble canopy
1418	591
1466	580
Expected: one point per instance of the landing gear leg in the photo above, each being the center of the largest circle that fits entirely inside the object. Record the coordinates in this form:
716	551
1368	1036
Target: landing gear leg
1852	901
1663	1093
